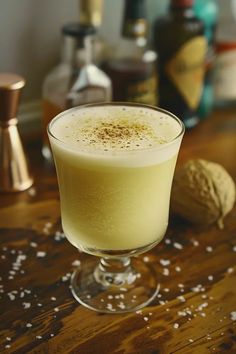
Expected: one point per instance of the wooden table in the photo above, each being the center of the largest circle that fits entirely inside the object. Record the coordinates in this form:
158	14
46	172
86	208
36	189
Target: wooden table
192	314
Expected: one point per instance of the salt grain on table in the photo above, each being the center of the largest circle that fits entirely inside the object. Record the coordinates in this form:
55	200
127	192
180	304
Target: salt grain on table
230	270
26	305
178	269
195	243
233	315
166	272
209	249
76	263
40	254
33	244
164	262
178	246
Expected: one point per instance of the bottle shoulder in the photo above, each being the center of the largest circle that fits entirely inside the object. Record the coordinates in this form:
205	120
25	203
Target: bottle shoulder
171	32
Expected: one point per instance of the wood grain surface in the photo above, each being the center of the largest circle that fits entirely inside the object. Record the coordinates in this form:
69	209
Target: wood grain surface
195	311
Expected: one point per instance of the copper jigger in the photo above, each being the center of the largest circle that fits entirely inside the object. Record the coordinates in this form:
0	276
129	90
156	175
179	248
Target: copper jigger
14	173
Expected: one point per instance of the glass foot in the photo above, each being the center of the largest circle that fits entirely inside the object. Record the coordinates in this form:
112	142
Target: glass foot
114	285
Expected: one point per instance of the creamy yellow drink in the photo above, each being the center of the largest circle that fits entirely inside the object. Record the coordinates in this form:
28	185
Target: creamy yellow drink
115	166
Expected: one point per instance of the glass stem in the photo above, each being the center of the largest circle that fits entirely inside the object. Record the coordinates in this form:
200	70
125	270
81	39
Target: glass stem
114	272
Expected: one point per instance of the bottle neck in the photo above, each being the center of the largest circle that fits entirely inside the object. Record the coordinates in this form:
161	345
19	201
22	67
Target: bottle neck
181	8
78	51
135	22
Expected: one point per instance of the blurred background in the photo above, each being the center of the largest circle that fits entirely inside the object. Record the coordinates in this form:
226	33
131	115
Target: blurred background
30	38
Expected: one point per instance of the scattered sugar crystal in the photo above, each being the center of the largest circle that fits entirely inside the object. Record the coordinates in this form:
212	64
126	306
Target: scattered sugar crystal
166	290
29	325
195	243
166	272
182	313
178	269
233	315
209	249
53	298
123	289
181	298
52	335
146	259
181	285
176	325
230	270
203	314
145	318
26	305
66	277
210	277
11	296
167	310
40	254
121	305
8	339
7	346
234	248
191	340
32	192
38	337
164	262
56	309
110	297
167	241
178	245
33	244
88	296
139	312
76	263
3	256
10	277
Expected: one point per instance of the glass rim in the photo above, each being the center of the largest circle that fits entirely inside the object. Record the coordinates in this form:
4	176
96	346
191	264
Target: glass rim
125	104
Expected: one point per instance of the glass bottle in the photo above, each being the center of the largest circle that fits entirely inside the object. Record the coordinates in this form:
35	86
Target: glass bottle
207	11
132	69
181	46
76	80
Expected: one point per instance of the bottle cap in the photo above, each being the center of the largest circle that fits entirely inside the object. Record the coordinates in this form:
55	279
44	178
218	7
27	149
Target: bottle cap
77	30
182	3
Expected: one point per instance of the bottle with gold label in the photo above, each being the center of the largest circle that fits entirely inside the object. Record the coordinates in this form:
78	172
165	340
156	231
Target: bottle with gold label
132	69
181	46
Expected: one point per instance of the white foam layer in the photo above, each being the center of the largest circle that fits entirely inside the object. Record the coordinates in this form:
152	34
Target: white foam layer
117	133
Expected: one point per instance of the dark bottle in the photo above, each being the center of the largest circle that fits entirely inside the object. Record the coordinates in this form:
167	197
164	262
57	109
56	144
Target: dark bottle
132	69
181	46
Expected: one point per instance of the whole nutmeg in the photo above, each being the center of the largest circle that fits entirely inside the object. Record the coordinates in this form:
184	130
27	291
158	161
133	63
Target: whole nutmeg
203	192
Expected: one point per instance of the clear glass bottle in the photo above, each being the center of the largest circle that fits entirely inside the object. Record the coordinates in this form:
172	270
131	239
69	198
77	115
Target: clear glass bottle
76	80
132	68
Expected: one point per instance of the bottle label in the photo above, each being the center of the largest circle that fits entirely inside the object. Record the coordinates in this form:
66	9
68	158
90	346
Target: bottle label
135	28
143	91
225	75
186	70
90	94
